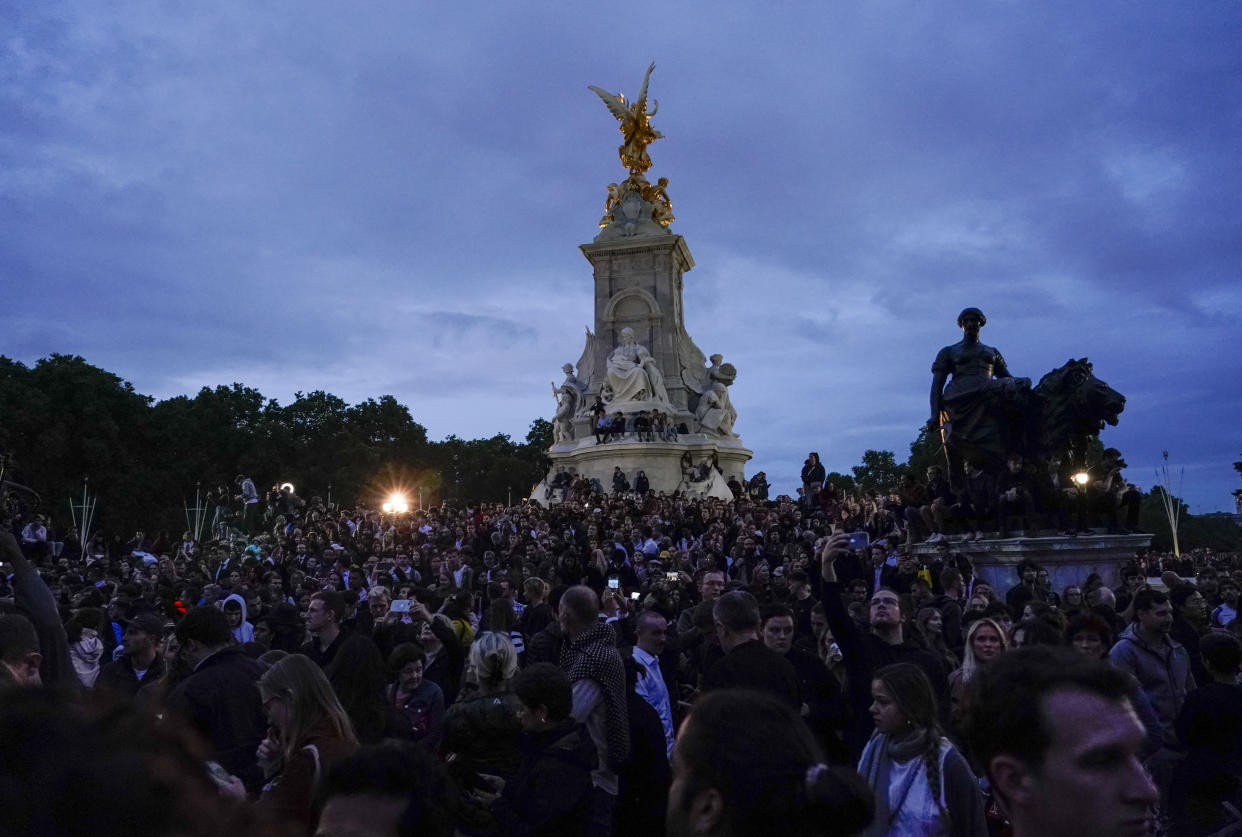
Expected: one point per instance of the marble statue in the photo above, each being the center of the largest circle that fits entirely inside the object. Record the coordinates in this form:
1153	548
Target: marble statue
635	122
711	414
633	374
709	389
702	480
569	398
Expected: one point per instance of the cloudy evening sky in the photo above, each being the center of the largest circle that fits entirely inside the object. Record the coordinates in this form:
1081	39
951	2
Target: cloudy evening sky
372	198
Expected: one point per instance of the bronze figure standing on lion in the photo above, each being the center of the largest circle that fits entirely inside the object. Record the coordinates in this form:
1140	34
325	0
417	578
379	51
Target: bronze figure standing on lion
982	413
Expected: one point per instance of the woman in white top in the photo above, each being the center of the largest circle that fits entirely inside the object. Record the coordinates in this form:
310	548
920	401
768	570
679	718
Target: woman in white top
922	784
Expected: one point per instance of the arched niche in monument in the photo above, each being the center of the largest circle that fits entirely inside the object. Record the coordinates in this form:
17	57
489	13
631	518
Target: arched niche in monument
637	309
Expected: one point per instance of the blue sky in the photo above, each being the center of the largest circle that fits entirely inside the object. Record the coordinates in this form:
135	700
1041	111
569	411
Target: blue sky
389	197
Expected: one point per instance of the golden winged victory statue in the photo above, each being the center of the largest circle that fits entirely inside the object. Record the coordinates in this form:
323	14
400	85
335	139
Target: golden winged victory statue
635	125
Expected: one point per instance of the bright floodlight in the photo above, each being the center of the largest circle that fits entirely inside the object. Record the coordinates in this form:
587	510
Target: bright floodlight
1082	477
396	504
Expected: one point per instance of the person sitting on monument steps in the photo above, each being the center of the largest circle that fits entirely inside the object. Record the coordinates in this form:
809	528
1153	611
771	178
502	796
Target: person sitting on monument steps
976	502
616	427
1104	494
934	515
1015	495
642	427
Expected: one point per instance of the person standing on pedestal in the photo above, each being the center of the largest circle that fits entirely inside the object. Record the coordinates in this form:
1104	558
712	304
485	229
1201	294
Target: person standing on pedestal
812	478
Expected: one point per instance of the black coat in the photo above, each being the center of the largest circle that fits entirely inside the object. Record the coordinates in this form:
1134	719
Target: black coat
550	795
645	778
119	678
221	701
753	665
814	473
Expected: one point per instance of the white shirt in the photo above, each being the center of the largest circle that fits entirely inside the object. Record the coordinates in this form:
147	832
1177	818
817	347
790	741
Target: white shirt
652	688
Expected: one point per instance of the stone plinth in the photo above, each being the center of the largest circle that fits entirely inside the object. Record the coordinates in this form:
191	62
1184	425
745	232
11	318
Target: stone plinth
1068	560
661	461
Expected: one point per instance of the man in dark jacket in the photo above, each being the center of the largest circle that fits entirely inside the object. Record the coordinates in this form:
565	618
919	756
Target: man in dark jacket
140	664
823	705
219	698
747	662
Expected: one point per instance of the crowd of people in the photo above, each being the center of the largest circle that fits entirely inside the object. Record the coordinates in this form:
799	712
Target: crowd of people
628	663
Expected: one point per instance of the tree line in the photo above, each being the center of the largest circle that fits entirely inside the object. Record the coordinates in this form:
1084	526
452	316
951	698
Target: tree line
64	420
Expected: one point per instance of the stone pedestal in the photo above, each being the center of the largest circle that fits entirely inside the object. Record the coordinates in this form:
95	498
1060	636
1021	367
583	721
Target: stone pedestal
638	286
1068	560
660	461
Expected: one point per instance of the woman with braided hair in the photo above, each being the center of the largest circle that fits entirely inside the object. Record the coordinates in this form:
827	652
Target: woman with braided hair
921	783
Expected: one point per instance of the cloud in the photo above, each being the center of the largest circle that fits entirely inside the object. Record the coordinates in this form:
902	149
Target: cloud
390	198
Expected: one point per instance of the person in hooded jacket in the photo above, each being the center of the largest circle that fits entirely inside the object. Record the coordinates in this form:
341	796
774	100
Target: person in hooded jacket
235	611
85	646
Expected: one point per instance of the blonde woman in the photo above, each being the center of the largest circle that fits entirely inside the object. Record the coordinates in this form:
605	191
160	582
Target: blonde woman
308	731
482	728
985	641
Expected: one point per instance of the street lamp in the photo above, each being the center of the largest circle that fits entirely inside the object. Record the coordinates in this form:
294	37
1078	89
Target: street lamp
1080	481
396	504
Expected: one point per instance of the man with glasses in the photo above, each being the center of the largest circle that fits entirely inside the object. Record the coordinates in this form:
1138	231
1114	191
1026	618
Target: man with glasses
1072	601
865	653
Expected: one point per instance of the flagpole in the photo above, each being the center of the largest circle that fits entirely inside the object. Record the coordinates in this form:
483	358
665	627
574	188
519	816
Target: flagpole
1172	506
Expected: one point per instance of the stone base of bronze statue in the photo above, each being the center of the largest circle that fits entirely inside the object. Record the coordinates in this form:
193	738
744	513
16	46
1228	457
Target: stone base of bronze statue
1068	559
